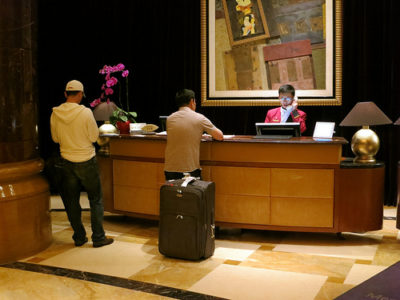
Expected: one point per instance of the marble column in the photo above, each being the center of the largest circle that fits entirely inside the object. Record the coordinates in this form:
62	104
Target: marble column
25	224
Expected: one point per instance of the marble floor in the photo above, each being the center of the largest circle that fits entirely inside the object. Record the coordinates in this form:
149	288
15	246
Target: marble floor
247	264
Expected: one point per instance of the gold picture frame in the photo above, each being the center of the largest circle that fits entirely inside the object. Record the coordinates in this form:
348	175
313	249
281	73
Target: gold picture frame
227	81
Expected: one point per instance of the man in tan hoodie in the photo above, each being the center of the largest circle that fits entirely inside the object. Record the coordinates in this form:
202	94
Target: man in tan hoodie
74	128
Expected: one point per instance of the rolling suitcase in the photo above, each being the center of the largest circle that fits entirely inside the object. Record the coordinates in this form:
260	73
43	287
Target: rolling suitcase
186	228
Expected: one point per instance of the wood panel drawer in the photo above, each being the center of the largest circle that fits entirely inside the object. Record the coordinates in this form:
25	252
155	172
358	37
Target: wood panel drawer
276	153
137	200
307	212
137	148
242	209
241	181
160	174
136	173
318	183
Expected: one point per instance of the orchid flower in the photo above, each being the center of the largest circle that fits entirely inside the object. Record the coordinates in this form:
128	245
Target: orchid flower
111	81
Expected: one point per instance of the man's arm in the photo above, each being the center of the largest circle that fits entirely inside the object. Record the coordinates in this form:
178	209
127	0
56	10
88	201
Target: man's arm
93	130
301	118
211	129
217	134
53	130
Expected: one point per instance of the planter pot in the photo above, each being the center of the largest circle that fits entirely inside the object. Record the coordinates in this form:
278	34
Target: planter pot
123	127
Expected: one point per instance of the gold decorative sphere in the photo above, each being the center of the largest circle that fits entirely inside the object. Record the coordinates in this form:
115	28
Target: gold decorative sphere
103	141
365	144
108	128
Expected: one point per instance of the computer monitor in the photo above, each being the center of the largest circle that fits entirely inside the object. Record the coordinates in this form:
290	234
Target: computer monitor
163	122
277	130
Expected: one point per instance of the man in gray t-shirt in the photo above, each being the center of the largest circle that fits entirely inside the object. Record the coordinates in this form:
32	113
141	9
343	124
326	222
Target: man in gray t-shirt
184	130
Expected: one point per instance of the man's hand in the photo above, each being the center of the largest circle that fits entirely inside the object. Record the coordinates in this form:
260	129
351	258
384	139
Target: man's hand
295	104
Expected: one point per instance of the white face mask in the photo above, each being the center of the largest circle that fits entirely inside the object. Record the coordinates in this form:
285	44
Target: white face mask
286	101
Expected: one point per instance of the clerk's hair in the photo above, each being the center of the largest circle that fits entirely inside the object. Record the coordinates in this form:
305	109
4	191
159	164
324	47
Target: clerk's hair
287	88
183	97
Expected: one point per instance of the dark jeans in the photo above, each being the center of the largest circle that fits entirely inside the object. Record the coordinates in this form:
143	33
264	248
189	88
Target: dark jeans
74	176
179	175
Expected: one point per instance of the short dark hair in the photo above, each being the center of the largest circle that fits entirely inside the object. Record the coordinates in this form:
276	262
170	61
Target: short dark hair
287	88
72	93
183	97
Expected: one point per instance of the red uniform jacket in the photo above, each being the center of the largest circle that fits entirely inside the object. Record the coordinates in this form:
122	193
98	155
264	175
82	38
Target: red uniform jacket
274	116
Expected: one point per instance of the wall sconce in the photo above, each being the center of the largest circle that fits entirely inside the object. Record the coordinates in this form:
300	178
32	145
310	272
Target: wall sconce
365	143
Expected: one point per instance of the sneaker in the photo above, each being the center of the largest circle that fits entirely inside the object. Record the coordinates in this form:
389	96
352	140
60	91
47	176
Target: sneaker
105	242
80	243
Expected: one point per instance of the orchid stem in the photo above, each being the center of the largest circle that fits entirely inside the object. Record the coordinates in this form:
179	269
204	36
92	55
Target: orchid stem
119	95
127	93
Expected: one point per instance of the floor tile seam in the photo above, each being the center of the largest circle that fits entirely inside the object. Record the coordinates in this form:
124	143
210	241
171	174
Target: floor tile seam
277	269
339	280
114	281
328	255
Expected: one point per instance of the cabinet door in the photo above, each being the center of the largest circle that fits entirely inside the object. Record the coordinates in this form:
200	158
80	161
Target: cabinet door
302	197
137	186
242	194
305	212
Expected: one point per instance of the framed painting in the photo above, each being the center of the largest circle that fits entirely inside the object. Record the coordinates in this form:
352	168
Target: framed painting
251	47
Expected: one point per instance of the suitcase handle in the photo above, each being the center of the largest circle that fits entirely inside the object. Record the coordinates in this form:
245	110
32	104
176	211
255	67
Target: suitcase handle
188	180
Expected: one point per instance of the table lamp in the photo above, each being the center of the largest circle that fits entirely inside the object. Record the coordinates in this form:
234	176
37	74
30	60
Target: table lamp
397	122
102	112
365	142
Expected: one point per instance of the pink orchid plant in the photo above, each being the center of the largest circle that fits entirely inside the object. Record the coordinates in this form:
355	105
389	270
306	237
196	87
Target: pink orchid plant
107	90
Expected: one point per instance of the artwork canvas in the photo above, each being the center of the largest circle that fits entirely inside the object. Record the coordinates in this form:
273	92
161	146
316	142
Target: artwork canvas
245	58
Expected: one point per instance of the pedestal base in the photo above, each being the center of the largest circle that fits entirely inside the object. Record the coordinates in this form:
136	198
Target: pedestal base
25	222
398	196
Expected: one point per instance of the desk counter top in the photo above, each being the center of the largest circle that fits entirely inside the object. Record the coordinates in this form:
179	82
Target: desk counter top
242	139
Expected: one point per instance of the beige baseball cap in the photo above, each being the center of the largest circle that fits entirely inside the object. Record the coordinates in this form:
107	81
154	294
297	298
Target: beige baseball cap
75	86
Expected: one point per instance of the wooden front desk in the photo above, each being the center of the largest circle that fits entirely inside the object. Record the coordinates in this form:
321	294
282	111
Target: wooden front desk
295	185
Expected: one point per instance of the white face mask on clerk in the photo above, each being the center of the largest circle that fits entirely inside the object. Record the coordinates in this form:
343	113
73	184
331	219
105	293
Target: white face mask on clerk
289	104
288	101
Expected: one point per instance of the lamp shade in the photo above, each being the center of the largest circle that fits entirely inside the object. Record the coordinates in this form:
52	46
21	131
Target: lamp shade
397	122
364	114
104	110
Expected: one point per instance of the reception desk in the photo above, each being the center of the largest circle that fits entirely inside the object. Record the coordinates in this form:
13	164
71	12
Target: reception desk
299	184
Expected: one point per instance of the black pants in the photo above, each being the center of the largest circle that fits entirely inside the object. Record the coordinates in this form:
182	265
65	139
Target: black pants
179	175
74	177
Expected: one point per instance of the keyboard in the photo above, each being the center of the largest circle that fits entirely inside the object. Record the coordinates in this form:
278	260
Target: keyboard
276	137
